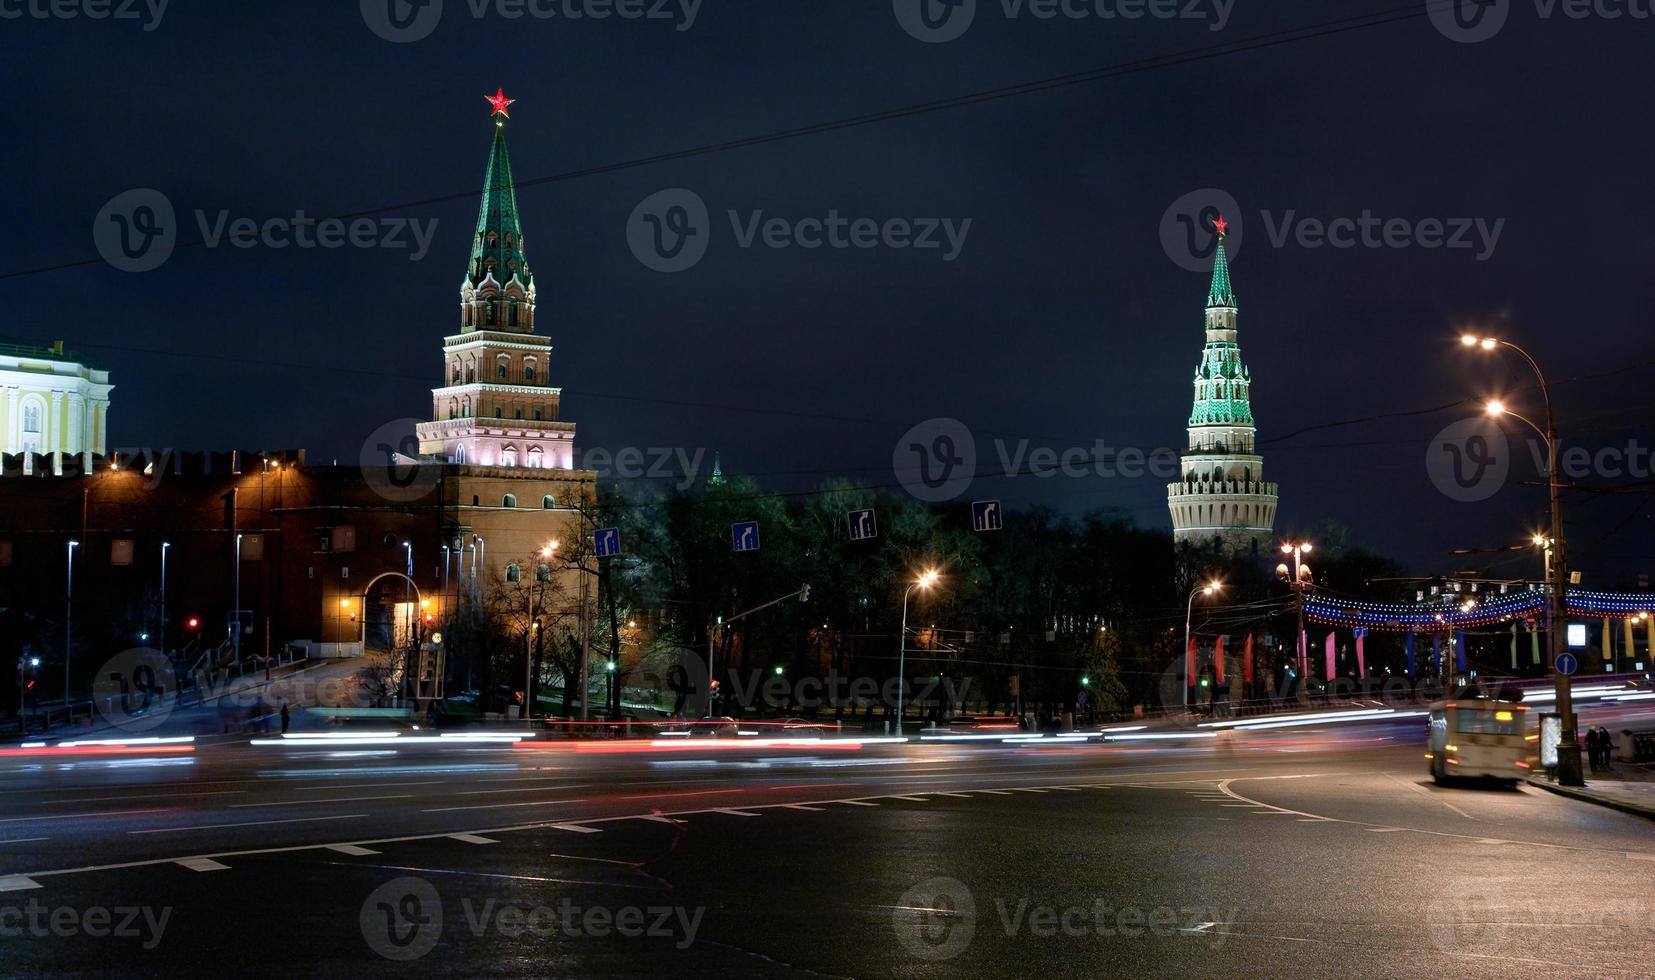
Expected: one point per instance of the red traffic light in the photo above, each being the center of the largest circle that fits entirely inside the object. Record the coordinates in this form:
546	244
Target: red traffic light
192	623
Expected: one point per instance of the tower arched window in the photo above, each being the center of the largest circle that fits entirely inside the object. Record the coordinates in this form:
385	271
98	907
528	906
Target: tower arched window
457	372
488	318
547	503
509	500
511	313
536	458
459	457
528	368
502	367
513	574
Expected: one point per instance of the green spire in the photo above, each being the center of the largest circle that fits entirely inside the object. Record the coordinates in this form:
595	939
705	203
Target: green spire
717	477
498	245
1220	295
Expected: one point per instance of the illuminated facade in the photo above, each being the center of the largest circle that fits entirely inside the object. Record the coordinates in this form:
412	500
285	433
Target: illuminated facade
497	406
51	403
1222	494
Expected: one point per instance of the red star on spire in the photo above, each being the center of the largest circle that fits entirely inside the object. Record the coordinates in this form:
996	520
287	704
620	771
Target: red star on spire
1221	225
499	101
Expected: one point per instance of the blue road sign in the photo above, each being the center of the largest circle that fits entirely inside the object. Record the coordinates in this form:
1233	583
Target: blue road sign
985	515
1567	663
606	542
744	536
862	525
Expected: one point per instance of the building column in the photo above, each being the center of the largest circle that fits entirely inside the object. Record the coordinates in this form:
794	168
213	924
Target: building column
52	435
100	427
74	434
11	433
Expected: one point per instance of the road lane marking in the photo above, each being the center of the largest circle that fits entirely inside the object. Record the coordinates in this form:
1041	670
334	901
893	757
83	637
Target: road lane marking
1026	789
17	883
1383	830
352	850
854	802
1493	840
77	816
961	796
472	839
524	789
312	789
656	817
22	840
737	813
997	792
342	799
250	823
143	796
576	828
497	806
910	799
202	864
801	806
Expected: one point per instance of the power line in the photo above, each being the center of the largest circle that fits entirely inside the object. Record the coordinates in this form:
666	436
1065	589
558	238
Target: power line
1257	42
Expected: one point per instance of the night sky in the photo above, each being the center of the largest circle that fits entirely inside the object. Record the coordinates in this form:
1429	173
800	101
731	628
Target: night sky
1062	320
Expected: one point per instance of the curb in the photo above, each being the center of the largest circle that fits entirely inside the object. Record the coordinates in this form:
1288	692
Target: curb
1636	809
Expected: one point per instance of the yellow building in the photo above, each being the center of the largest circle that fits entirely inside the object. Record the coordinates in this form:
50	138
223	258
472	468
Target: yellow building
50	402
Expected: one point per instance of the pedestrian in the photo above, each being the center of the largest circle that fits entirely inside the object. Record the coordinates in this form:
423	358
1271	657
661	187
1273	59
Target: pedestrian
1605	744
1594	747
284	718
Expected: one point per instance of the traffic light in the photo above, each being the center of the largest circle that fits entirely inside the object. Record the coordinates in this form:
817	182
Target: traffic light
804	593
1206	681
192	624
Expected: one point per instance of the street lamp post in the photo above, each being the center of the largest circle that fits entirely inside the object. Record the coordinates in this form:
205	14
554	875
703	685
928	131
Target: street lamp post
162	633
235	614
69	621
925	581
1568	750
1189	611
1298	551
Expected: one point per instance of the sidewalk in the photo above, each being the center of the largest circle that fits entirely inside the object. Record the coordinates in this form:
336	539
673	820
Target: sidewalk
1624	787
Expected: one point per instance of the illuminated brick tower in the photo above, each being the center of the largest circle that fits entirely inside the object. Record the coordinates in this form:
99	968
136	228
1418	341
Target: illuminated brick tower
1222	494
498	407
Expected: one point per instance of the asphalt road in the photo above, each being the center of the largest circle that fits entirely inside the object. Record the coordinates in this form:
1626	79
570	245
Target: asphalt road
1323	852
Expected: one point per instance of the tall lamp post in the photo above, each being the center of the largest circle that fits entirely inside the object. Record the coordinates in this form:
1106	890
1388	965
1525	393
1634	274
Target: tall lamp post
69	621
925	581
1299	581
1189	611
162	633
1568	750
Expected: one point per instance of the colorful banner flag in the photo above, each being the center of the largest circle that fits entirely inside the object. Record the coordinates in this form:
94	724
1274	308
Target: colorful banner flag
1189	664
1514	645
1218	661
1408	651
1361	665
1330	657
1247	659
1608	643
1304	653
1534	646
1436	653
1459	651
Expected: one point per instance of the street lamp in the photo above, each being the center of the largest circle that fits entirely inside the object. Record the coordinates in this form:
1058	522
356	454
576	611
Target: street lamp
1189	610
1568	749
68	621
927	579
1300	579
162	634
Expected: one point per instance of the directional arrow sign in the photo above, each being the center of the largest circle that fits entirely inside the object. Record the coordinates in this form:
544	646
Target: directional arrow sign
744	536
985	515
606	542
862	525
1566	663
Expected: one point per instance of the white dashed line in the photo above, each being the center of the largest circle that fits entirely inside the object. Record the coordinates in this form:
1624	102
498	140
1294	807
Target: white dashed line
472	839
352	849
737	813
17	883
576	828
202	864
249	823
